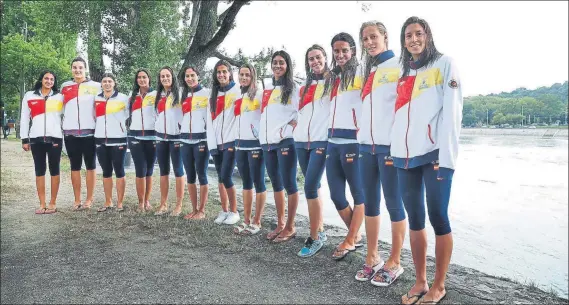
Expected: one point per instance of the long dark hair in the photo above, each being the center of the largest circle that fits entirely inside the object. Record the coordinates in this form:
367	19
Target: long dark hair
310	75
113	77
287	79
215	83
174	88
429	55
368	61
252	90
349	73
136	87
185	88
38	84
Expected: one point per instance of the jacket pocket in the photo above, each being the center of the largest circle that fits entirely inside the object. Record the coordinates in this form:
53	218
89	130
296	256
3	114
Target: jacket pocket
429	134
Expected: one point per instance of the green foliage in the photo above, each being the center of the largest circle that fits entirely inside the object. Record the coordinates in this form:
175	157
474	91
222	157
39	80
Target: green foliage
543	105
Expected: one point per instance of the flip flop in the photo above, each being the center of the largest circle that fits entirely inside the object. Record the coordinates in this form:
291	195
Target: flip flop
272	235
105	208
251	230
50	211
40	211
280	239
431	302
416	297
121	209
76	207
344	253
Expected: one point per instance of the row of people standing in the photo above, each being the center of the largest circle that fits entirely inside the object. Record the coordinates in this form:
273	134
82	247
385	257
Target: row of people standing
388	123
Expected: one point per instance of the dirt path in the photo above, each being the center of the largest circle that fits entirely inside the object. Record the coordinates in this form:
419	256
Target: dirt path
89	257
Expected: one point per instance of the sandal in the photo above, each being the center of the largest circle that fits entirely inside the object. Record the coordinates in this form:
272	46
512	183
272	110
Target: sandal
251	230
40	211
50	211
86	206
280	239
432	302
272	235
240	228
412	299
76	207
190	215
385	277
368	272
105	208
342	253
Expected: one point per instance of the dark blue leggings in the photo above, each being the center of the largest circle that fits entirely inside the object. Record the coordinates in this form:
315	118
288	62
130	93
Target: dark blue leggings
312	163
281	167
53	152
251	165
413	183
224	164
376	170
342	165
144	156
81	149
169	150
195	158
111	157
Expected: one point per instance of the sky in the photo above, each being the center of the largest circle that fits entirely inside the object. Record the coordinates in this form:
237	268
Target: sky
497	46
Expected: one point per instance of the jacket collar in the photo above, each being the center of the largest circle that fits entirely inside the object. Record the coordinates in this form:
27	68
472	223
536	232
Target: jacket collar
227	88
418	64
277	82
150	89
383	56
196	88
38	92
115	93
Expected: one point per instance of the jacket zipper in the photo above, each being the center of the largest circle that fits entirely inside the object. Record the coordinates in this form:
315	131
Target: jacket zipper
142	116
239	123
165	104
371	119
78	111
192	91
106	103
222	120
334	116
44	116
267	121
311	114
409	122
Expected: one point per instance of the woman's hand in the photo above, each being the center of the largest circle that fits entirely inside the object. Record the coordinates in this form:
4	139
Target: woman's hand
293	123
26	147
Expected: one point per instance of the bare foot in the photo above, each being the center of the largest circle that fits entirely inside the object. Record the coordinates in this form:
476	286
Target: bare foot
199	215
190	215
273	234
433	296
147	206
87	205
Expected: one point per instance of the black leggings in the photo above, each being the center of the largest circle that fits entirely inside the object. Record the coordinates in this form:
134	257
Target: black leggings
81	147
195	158
112	157
53	152
144	156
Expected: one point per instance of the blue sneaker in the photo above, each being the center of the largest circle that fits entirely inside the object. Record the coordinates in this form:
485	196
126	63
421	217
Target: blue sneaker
311	247
322	236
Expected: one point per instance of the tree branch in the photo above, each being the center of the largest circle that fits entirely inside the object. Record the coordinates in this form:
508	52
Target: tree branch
196	5
226	26
230	60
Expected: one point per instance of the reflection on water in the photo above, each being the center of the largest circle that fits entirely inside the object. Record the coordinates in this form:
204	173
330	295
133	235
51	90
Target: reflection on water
508	209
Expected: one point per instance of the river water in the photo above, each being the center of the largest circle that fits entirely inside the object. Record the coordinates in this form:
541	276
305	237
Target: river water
508	209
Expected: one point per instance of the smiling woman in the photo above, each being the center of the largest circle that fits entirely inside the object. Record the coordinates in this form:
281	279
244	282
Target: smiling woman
42	108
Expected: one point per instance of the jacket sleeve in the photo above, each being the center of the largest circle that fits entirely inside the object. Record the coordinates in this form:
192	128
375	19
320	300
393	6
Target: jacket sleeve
210	133
451	121
295	100
25	121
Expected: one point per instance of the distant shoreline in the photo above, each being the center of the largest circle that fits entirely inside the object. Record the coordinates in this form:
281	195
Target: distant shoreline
556	133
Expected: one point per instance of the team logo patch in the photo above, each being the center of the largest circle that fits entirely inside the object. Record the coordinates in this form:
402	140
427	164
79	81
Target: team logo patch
121	147
388	161
350	160
350	155
230	149
453	84
55	145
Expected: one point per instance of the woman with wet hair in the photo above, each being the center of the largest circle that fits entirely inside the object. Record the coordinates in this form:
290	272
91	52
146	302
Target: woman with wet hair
42	108
221	138
195	153
168	120
278	119
249	154
142	136
311	140
342	163
429	98
381	71
111	110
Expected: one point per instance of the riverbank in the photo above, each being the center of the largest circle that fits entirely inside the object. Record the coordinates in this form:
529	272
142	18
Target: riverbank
90	257
562	133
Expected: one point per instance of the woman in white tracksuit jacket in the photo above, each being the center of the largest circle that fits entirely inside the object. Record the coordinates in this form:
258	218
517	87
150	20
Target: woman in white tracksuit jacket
424	146
42	108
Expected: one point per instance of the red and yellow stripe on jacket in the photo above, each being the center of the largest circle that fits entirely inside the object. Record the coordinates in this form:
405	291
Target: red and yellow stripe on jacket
44	114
